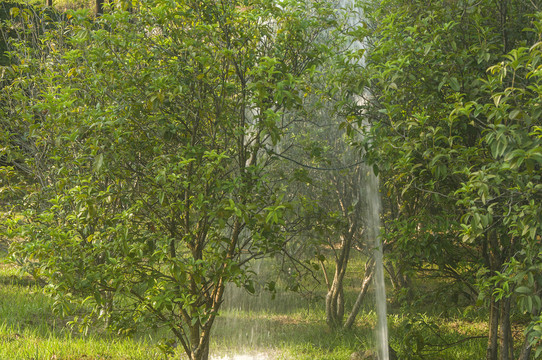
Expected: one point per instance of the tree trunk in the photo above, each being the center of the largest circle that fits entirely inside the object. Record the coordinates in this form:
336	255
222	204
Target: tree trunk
526	350
108	307
394	275
200	343
369	267
49	2
335	304
507	341
335	294
399	280
493	256
340	305
204	352
99	7
493	338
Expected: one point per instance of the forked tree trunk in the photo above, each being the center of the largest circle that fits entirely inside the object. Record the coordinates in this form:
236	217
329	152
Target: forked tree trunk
335	294
399	280
393	276
335	303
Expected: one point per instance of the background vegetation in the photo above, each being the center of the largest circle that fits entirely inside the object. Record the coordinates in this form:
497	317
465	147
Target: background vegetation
187	177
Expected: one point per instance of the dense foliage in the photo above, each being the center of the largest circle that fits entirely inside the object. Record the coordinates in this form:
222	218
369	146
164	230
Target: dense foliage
455	115
151	151
144	136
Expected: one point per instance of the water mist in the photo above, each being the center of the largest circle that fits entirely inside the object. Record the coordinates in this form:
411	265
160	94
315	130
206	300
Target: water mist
372	211
372	196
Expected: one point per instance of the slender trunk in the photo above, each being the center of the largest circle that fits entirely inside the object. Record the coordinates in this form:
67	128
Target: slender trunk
194	341
507	341
334	304
335	295
504	25
359	300
200	334
340	305
108	307
204	349
510	336
326	277
330	319
526	350
49	2
335	299
493	338
495	262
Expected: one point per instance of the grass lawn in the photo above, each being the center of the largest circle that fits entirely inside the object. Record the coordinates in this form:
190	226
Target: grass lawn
288	327
30	330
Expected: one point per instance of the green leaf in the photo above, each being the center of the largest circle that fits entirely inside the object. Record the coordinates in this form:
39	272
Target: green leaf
161	197
98	162
523	290
249	286
497	99
514	114
427	48
454	84
14	11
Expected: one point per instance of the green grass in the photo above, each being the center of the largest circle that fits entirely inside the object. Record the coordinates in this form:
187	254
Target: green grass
287	327
30	330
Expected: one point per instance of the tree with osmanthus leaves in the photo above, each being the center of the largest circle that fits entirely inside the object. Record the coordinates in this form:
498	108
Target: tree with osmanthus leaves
146	135
502	194
443	149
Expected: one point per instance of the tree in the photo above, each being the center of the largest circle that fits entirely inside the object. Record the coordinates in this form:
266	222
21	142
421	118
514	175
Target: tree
427	68
326	175
326	184
99	7
502	192
147	136
330	183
